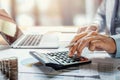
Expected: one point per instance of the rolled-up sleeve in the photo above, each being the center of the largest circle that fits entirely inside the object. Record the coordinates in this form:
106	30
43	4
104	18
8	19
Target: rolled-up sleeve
117	41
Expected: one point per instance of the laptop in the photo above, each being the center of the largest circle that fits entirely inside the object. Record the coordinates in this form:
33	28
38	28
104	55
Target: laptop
17	39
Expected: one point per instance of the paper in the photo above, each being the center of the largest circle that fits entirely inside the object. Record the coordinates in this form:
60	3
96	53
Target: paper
108	68
29	64
23	76
102	68
2	77
8	28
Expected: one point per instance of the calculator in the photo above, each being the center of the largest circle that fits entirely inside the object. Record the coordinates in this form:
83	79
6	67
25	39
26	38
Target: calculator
59	60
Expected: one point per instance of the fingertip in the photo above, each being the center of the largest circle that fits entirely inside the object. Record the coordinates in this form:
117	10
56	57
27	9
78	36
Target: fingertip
70	54
78	54
92	48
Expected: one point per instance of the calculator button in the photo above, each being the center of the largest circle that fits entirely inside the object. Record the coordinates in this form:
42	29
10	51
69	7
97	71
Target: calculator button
68	61
51	54
63	58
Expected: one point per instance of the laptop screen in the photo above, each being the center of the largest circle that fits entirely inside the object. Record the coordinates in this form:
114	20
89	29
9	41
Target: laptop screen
9	31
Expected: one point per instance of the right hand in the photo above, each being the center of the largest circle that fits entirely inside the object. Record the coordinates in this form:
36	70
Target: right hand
82	33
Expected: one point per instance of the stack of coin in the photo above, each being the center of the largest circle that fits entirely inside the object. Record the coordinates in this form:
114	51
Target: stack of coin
9	68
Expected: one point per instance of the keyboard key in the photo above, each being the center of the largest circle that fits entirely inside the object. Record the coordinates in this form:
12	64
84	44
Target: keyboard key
31	40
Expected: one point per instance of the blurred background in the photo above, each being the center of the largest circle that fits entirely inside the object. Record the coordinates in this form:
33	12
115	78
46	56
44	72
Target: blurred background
51	12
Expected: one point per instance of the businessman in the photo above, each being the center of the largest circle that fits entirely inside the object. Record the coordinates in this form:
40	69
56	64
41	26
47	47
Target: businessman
108	20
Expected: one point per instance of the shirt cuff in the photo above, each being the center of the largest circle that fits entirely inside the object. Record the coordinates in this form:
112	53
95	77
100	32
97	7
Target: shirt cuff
117	41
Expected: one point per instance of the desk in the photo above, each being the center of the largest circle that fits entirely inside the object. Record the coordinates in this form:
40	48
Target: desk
103	67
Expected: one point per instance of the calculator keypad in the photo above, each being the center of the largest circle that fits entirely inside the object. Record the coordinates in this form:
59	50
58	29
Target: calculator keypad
63	58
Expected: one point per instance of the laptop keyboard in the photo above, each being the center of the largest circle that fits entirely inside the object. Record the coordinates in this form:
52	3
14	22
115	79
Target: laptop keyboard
31	40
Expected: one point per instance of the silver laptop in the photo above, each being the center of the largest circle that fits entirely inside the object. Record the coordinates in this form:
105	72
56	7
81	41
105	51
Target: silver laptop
16	39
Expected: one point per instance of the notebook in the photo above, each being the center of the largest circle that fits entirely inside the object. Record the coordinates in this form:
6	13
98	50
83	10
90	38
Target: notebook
17	39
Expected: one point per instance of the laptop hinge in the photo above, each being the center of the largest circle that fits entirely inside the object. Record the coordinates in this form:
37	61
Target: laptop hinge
17	41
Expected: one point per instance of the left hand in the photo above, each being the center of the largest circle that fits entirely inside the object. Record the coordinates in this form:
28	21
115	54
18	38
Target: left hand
93	42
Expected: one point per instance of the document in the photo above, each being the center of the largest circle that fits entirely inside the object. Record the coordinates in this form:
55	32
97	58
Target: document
102	67
2	77
108	68
23	76
8	28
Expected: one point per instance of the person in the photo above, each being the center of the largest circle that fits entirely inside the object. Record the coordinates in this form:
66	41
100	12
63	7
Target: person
107	20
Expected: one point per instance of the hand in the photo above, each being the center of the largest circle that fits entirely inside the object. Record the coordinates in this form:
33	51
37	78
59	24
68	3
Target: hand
78	40
83	31
88	28
93	41
102	42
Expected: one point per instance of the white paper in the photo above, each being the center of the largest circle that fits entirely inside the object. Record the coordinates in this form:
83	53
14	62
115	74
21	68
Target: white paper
23	76
104	68
8	28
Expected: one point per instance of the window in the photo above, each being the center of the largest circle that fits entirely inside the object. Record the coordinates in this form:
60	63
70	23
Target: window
51	12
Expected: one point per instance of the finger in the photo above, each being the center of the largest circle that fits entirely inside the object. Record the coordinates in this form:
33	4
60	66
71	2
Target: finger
103	37
93	28
83	43
86	41
96	45
81	29
78	36
92	33
82	35
91	47
99	49
73	50
96	36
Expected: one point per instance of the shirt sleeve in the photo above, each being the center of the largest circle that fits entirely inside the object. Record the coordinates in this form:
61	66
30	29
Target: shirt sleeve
117	41
100	18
